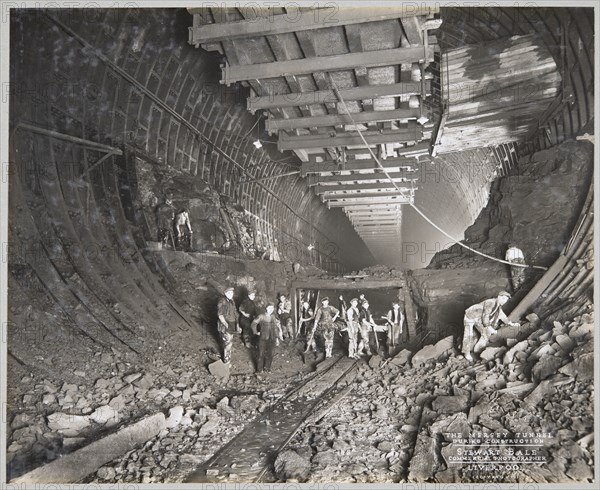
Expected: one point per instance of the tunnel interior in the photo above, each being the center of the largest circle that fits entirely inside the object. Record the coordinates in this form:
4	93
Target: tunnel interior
115	112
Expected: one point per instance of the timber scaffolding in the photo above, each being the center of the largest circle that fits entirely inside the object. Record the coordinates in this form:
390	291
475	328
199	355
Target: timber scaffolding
319	76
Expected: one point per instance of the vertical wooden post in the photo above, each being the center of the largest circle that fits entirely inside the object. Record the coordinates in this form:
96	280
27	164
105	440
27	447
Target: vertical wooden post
409	307
295	303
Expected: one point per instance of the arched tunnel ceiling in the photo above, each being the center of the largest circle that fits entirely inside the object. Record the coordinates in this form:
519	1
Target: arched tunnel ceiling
128	78
132	80
307	76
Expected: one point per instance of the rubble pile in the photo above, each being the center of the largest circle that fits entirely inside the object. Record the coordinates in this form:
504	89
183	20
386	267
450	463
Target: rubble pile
53	418
395	424
179	449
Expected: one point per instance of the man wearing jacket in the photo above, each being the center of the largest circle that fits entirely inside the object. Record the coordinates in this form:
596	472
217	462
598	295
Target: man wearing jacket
266	326
228	322
484	318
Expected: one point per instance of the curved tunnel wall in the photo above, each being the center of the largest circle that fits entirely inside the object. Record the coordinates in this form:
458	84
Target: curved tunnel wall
127	77
459	183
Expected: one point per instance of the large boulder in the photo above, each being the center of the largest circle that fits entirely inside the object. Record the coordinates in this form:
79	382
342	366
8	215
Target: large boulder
290	465
434	352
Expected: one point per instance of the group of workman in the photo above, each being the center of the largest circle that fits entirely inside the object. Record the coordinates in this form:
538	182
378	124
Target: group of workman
275	325
272	326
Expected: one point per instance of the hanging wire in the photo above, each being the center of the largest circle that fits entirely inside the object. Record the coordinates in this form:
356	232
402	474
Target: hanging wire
411	203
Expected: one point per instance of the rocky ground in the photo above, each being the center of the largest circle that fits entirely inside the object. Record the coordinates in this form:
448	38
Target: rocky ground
395	424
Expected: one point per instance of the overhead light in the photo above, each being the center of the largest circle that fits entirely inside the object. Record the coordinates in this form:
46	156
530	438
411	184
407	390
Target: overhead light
422	120
257	144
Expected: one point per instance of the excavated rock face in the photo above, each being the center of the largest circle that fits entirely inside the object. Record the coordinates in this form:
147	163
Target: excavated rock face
535	207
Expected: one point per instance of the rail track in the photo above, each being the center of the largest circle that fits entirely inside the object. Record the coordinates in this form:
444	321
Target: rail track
250	455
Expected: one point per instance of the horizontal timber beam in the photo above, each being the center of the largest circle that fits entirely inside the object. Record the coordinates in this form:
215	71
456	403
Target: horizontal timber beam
362	166
340	203
349	284
305	66
296	20
333	196
413	132
371	177
356	214
372	189
404	89
274	125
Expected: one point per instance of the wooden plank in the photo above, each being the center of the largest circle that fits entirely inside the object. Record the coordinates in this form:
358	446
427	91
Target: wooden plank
334	196
274	125
412	29
370	177
404	89
372	207
340	203
360	190
412	133
299	20
328	167
411	317
384	57
534	294
355	214
345	284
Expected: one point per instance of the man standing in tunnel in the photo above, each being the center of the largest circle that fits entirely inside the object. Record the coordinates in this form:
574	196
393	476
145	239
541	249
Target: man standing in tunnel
352	327
514	255
267	332
396	331
366	325
325	318
248	314
165	214
484	317
228	322
183	228
284	310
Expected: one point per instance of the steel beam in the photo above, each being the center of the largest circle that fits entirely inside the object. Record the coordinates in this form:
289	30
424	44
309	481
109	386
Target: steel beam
295	99
274	125
412	133
305	66
294	21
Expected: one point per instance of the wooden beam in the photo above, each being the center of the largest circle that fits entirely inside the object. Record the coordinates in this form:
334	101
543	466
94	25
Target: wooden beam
332	196
346	284
298	20
412	133
340	203
378	219
404	89
372	214
358	207
305	66
274	125
356	177
412	29
362	166
376	189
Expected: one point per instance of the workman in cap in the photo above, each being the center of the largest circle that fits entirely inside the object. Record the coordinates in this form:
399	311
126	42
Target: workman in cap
325	318
266	326
484	318
228	322
247	315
